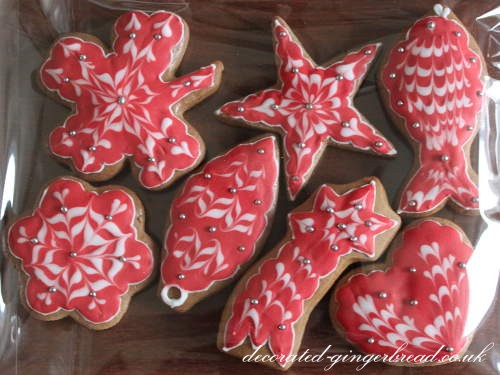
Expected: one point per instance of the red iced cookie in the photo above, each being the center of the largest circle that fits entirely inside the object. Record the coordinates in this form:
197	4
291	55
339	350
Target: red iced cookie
82	252
127	103
311	106
418	301
219	222
432	83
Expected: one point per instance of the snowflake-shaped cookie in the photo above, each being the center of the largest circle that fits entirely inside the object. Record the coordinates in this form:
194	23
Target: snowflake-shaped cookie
82	252
311	106
127	103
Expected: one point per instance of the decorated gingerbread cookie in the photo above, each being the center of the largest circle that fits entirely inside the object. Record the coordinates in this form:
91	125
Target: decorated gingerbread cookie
219	222
82	252
127	103
432	86
269	308
416	305
311	106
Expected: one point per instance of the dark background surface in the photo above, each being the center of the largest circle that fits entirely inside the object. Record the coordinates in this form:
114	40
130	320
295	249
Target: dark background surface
151	339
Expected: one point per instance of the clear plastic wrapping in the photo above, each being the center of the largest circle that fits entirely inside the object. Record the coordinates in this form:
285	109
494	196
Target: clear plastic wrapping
152	339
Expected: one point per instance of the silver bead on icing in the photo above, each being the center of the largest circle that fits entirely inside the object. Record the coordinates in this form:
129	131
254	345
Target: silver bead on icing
241	248
339	77
34	240
257	202
358	206
108	217
412	203
121	100
378	144
431	25
295	70
461	265
92	148
475	200
341	226
132	35
368	52
449	349
282	33
281	327
368	223
392	75
301	145
171	140
187	83
254	301
72	254
52	289
413	302
151	159
310	229
181	276
66	79
334	247
308	106
479	93
353	239
275	107
182	216
212	229
72	133
240	109
232	190
82	57
401	49
412	269
415	125
122	259
470	128
382	295
345	124
371	340
445	158
208	176
63	209
399	103
295	178
330	210
261	151
92	294
157	36
306	261
472	60
457	33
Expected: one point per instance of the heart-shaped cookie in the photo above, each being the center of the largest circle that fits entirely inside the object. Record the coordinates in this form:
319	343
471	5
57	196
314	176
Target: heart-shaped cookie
414	307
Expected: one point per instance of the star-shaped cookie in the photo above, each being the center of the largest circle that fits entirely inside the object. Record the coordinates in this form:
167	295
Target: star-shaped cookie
311	106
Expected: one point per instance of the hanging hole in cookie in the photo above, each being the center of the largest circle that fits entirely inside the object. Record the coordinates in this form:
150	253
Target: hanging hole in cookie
174	292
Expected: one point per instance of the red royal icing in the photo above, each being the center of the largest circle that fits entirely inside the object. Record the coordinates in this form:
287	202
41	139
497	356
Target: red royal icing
426	297
218	218
273	299
434	82
80	251
123	106
312	106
